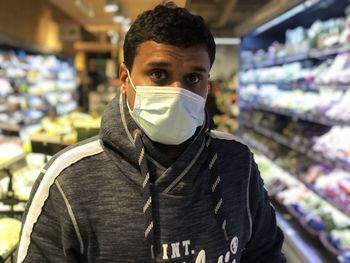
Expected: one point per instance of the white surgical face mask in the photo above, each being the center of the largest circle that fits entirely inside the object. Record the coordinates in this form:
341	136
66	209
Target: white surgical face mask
167	115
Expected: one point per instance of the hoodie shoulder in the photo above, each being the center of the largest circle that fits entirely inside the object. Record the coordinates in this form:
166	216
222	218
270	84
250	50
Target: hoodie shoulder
227	142
223	135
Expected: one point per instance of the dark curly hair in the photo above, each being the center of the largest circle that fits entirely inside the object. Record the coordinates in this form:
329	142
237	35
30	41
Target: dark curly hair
168	24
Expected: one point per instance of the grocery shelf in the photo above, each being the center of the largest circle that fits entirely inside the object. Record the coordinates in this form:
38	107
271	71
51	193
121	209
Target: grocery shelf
295	246
311	54
300	240
315	156
302	85
286	112
274	47
11	127
336	86
252	143
325	52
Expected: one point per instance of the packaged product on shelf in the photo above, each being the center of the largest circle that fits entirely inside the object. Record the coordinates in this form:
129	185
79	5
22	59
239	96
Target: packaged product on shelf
335	144
340	111
340	239
5	87
24	178
297	41
9	149
338	72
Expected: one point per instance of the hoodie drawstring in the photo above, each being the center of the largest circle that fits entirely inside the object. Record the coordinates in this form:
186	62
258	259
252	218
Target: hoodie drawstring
146	193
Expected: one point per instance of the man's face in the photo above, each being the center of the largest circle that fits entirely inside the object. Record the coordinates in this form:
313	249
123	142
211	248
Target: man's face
166	65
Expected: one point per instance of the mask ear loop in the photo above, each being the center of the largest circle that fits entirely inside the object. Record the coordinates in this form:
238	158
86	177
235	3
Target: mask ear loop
132	84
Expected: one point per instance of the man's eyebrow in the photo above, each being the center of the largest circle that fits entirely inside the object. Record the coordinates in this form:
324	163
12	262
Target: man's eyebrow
166	64
201	69
158	64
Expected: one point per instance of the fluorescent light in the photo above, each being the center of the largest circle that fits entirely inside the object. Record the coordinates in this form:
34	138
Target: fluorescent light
283	17
118	18
111	6
227	41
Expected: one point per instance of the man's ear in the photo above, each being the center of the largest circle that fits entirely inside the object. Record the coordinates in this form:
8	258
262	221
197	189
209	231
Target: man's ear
123	76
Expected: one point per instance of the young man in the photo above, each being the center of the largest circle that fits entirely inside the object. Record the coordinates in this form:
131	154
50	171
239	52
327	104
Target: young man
157	185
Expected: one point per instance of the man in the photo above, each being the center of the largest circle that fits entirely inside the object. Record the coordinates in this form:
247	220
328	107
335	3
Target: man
157	185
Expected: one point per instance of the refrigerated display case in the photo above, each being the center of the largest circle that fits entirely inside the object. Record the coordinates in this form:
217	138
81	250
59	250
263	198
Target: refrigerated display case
294	95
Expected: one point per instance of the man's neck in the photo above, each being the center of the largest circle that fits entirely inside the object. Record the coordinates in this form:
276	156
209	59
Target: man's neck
173	151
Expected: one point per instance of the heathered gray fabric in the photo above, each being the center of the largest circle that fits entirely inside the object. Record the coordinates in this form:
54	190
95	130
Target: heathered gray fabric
104	193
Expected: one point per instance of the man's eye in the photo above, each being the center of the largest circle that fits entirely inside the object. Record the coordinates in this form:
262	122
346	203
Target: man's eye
158	75
193	79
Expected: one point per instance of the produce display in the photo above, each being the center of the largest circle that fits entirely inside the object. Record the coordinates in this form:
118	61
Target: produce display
9	234
24	173
300	40
9	148
327	102
294	110
24	178
317	216
330	72
33	84
65	129
335	144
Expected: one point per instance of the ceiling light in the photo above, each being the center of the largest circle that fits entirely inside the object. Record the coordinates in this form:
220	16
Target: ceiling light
118	18
111	6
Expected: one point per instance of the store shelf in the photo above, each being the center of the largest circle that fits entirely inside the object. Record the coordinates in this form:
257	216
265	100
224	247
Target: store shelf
280	95
331	51
301	85
299	236
315	156
11	127
252	143
335	86
277	61
312	54
298	246
286	112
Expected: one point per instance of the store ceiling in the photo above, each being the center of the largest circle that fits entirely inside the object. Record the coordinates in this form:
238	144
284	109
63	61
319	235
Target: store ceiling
227	18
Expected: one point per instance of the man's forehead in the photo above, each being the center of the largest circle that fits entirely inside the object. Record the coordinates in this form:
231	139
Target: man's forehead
159	54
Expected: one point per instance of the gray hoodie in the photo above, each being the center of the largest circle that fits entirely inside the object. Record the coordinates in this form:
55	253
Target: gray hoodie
87	204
